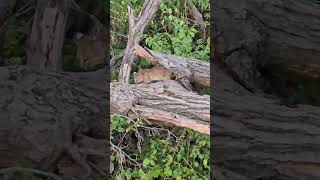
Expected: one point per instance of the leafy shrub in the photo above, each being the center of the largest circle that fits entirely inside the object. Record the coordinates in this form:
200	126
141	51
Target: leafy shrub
172	32
13	40
179	154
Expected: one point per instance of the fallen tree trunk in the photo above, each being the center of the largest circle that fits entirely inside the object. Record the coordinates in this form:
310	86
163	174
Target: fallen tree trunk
275	36
261	139
255	137
51	122
165	102
187	70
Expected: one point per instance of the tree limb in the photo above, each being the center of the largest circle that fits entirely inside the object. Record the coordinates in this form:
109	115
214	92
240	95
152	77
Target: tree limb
166	101
187	70
136	28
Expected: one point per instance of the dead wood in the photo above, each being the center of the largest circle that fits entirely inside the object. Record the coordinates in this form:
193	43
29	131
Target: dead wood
187	70
47	36
136	28
252	38
165	102
199	19
254	135
52	123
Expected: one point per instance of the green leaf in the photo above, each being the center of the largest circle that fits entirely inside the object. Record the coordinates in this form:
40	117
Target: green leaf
146	162
205	162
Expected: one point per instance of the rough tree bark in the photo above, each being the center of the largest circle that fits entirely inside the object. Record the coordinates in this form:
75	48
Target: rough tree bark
199	19
187	70
258	138
136	28
266	34
254	136
51	122
47	36
165	102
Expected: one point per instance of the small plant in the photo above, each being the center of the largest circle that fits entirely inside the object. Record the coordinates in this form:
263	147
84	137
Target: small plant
179	154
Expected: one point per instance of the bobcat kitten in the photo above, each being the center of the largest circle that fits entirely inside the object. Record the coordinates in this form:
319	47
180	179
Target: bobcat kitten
154	74
92	53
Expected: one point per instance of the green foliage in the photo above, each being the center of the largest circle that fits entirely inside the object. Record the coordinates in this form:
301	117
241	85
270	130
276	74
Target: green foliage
13	40
202	89
307	90
118	124
119	20
182	155
294	86
204	7
172	32
185	157
114	74
70	62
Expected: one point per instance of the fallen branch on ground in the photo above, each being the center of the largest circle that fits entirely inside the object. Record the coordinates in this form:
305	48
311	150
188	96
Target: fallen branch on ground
187	70
165	102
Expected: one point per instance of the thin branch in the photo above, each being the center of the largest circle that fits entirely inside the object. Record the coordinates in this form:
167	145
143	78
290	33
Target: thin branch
125	154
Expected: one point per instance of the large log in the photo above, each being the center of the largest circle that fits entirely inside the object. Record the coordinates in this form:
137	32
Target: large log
52	122
257	34
254	135
165	102
259	138
187	70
